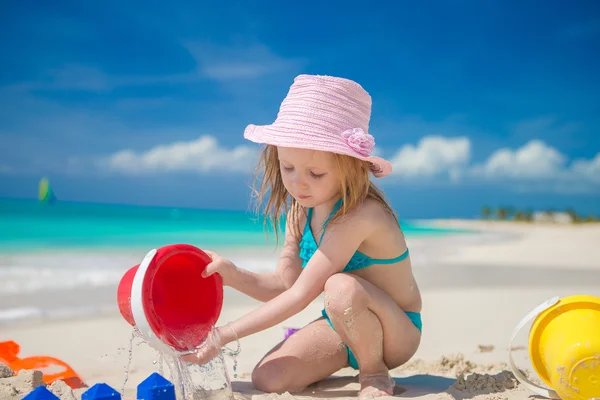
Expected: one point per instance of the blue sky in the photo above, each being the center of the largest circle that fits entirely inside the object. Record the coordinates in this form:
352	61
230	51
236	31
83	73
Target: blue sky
475	102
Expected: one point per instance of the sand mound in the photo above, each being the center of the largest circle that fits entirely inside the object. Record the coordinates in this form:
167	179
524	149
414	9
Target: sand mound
13	387
453	366
473	381
419	379
476	383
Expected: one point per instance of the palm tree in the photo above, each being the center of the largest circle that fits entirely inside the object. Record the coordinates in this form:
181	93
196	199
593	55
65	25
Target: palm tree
573	215
486	212
510	212
501	213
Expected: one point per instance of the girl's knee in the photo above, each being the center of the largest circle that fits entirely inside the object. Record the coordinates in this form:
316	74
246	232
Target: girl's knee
272	377
343	292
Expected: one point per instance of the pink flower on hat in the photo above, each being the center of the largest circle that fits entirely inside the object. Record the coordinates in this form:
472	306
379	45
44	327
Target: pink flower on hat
359	141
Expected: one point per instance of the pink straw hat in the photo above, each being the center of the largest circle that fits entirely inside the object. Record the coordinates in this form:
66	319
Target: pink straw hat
324	113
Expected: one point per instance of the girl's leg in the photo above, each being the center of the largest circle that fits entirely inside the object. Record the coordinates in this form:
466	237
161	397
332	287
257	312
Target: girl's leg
309	355
371	324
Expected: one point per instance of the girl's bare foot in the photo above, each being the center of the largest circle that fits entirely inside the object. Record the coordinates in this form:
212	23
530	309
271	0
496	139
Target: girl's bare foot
376	385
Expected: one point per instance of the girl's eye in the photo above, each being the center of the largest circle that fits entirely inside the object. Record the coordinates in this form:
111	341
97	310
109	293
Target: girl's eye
286	168
316	176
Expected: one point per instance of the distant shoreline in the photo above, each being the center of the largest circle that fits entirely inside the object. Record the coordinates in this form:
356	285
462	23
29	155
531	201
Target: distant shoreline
460	223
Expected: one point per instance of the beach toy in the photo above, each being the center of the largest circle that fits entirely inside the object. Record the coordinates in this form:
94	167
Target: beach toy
52	368
289	332
564	347
101	391
156	387
40	393
166	298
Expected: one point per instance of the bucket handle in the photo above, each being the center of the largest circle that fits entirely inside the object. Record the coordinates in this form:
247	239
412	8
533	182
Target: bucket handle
137	303
542	391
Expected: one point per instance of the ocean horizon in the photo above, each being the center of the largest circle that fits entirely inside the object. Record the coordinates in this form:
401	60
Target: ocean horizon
28	225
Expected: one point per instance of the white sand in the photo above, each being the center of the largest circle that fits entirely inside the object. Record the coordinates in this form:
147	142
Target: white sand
529	244
457	318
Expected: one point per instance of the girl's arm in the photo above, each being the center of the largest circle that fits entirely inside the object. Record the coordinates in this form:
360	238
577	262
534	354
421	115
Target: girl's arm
266	286
340	243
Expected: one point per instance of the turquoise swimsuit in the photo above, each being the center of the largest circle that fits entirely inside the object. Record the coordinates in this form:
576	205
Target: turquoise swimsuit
308	246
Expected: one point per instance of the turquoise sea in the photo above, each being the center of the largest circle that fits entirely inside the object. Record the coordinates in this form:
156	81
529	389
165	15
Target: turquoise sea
67	258
27	225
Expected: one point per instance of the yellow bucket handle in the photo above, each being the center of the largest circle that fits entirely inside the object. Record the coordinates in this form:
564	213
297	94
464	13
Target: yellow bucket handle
542	391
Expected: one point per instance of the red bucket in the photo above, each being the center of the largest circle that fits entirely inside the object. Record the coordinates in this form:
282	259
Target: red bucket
167	298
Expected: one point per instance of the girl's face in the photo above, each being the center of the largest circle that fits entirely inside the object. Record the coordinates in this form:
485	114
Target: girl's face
310	176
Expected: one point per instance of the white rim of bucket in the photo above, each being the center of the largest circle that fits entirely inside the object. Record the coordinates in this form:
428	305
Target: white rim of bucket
137	305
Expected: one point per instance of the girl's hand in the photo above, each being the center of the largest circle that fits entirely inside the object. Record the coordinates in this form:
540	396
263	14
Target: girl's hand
208	350
211	347
219	264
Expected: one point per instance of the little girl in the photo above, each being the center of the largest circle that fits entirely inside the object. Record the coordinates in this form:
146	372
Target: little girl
341	239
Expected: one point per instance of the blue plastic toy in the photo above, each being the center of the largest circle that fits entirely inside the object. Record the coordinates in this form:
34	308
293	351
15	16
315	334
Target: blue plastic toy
101	391
40	393
155	387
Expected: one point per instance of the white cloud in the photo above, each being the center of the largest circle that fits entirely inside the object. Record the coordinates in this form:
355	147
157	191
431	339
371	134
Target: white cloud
535	160
239	62
537	166
202	155
90	78
546	126
589	169
433	156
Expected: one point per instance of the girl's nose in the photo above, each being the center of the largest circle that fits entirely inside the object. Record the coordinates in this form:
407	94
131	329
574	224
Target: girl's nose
299	182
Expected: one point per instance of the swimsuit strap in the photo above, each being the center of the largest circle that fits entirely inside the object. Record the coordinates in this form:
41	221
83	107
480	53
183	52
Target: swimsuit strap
335	208
309	217
389	260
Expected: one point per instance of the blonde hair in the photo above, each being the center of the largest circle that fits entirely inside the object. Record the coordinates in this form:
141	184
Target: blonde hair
355	187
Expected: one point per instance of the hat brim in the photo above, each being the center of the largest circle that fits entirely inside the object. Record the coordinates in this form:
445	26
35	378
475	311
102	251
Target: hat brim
280	136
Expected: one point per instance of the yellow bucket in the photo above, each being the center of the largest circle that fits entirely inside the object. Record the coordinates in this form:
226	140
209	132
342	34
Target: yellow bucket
564	346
